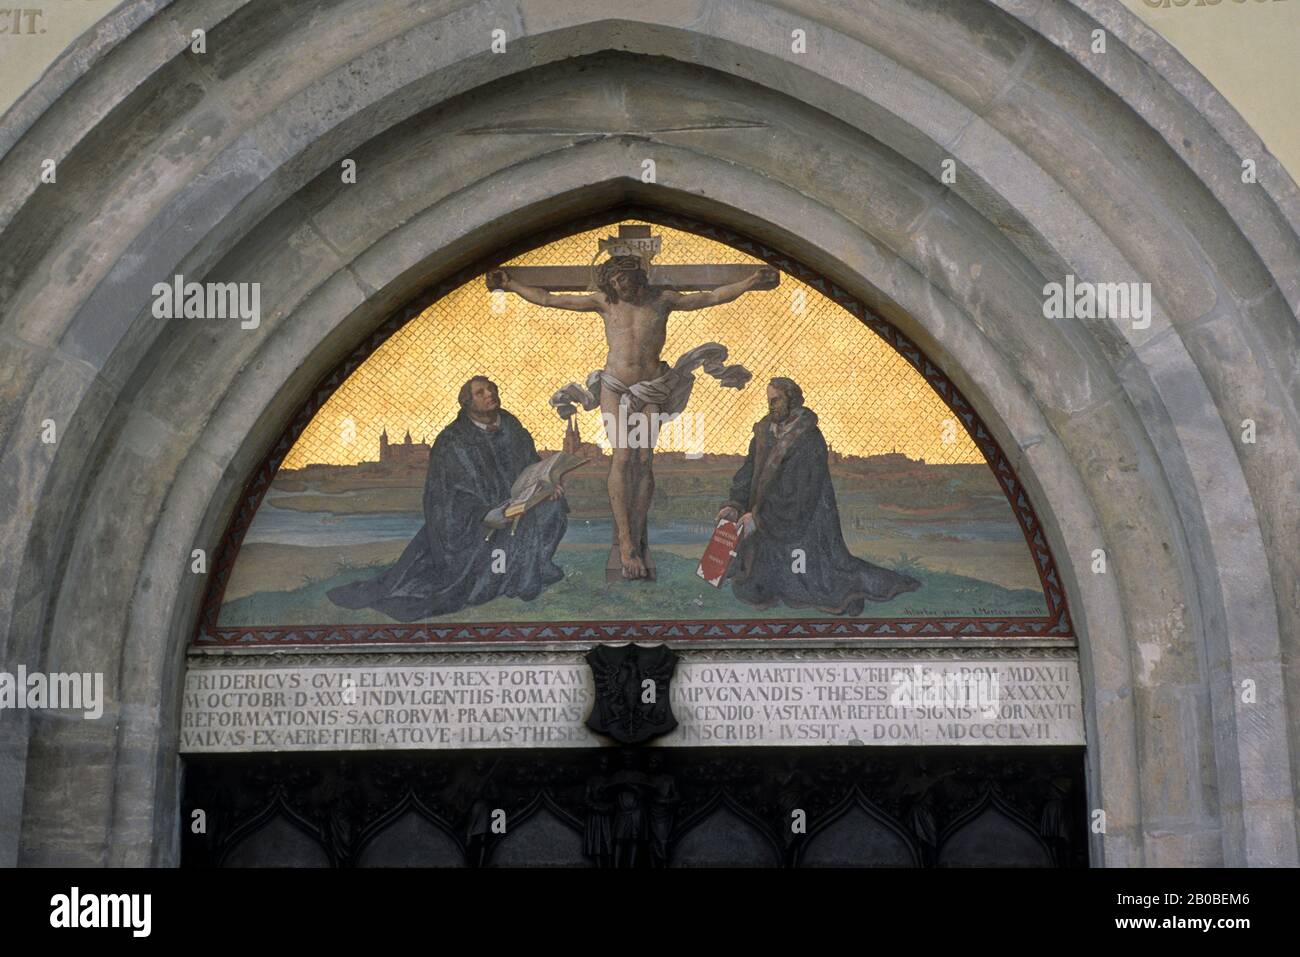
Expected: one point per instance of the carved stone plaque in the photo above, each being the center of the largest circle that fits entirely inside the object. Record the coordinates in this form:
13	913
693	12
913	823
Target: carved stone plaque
344	702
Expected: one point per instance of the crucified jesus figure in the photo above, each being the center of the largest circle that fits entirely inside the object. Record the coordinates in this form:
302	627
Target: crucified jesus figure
636	326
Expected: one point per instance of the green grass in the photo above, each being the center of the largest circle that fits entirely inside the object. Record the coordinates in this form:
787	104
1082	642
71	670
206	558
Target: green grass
678	594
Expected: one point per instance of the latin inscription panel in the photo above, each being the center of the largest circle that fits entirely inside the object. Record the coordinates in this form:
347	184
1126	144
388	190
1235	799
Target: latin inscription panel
809	701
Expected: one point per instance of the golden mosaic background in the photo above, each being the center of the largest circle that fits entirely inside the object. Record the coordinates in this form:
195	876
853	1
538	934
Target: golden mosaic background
868	399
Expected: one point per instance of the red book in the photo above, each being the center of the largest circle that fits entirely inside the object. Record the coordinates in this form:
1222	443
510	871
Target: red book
719	553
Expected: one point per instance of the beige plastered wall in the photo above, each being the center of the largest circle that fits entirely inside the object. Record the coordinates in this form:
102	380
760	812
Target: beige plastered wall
1249	49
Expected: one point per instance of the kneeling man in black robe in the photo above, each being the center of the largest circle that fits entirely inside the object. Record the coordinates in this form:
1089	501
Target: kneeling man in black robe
451	562
783	498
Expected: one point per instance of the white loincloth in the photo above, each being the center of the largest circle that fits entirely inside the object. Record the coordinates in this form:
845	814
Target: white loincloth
669	391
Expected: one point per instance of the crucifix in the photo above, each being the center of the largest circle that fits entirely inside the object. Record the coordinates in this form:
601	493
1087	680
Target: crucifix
635	298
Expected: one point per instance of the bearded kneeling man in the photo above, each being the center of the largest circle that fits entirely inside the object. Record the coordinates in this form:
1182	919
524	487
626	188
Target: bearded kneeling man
467	552
792	548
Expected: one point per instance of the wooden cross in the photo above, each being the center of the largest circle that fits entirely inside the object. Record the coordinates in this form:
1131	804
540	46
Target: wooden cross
634	241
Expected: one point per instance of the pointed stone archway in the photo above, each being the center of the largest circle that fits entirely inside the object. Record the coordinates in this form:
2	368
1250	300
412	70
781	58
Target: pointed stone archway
226	166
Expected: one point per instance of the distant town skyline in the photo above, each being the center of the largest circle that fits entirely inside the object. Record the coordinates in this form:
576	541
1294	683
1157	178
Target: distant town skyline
868	398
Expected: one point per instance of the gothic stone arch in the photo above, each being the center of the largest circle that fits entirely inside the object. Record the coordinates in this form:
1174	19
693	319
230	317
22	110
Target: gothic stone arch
1116	167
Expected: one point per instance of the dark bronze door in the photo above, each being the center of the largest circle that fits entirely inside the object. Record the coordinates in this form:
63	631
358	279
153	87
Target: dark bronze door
641	807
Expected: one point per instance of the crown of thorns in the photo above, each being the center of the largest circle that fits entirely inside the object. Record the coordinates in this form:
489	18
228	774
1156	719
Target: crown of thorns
617	264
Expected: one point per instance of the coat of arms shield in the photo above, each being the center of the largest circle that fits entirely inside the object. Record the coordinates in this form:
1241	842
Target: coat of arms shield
632	691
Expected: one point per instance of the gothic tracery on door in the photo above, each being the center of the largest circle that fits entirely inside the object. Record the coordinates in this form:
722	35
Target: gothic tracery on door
845	807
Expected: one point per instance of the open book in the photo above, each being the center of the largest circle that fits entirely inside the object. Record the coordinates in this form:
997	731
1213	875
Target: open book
536	484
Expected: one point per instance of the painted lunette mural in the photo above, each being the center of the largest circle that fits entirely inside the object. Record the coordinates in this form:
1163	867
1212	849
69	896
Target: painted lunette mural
872	500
